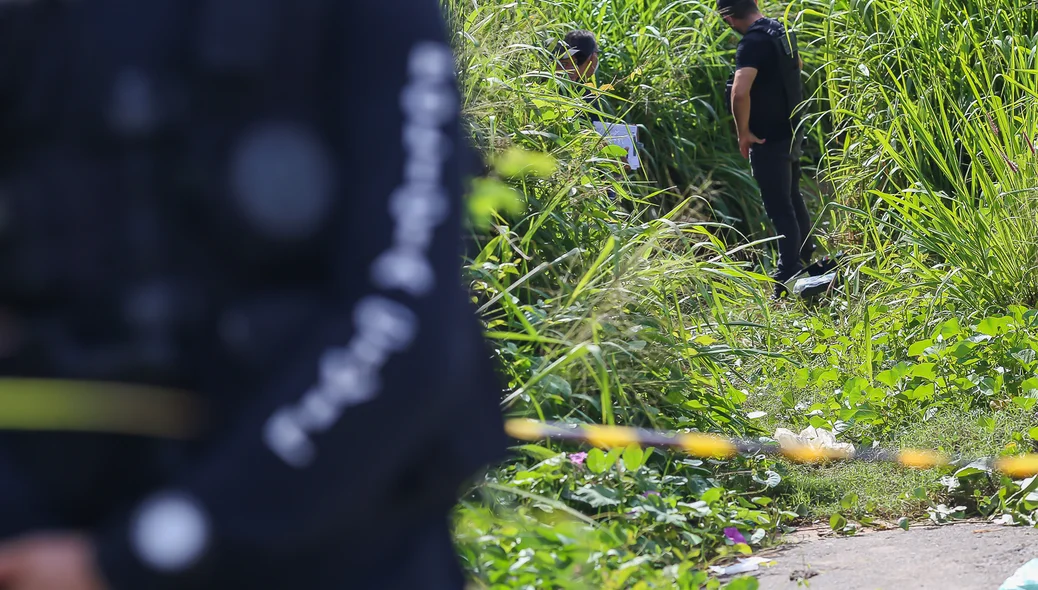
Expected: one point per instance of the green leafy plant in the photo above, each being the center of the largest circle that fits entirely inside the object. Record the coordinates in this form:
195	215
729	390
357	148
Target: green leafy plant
634	298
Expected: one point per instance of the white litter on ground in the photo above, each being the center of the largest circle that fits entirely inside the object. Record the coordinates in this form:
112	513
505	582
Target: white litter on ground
749	564
814	438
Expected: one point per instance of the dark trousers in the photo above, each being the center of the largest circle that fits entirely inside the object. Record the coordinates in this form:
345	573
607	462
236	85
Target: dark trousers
776	168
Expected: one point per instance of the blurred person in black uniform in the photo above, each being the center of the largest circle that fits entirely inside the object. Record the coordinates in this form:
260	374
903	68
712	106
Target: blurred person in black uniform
765	95
257	202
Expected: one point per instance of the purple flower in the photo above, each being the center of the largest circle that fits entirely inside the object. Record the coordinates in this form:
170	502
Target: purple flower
577	458
734	535
650	493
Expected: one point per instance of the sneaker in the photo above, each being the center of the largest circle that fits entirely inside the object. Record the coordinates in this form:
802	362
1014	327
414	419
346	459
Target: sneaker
824	265
783	275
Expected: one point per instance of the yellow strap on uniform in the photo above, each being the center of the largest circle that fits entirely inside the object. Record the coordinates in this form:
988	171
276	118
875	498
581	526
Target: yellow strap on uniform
95	406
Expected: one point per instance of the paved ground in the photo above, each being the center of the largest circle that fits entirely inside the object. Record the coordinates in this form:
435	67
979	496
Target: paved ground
963	556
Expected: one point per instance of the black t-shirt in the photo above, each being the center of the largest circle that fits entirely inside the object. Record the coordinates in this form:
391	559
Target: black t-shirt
592	101
770	113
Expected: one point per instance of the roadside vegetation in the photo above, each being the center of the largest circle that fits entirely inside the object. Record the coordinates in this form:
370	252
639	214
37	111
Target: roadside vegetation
640	299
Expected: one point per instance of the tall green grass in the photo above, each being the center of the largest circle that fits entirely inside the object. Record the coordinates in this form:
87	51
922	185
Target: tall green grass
933	108
634	299
665	63
609	297
605	297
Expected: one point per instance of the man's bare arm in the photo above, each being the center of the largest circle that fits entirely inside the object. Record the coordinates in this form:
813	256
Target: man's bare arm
744	78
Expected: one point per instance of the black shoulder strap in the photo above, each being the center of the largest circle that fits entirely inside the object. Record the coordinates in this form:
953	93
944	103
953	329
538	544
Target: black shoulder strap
785	43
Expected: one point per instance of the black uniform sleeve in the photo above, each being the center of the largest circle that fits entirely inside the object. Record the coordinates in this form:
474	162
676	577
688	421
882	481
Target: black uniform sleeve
369	401
752	52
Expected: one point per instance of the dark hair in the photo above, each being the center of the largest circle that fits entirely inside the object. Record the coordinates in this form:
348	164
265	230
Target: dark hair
579	45
736	8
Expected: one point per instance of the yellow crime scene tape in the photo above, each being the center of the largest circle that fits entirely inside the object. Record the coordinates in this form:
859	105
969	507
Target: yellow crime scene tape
710	446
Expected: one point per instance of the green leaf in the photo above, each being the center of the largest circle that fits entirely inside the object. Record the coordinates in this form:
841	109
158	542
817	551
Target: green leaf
556	385
1029	385
746	583
596	461
633	457
772	479
924	391
854	385
868	416
919	348
517	162
1029	485
903	523
540	452
1026	356
849	501
489	197
597	496
973	468
704	340
1034	433
925	371
994	326
950	329
987	423
736	396
1026	403
963	351
894	374
712	495
827	376
837	522
802	378
698	508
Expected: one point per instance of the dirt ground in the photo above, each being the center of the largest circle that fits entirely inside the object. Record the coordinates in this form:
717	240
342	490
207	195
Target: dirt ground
962	556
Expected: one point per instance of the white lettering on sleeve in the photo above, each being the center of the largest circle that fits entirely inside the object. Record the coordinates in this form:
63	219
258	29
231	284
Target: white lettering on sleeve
349	375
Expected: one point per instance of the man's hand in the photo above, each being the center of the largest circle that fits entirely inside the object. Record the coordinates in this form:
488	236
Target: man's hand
741	85
746	141
51	561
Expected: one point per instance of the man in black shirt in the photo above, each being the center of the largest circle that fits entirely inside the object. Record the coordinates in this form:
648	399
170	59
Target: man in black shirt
577	57
765	96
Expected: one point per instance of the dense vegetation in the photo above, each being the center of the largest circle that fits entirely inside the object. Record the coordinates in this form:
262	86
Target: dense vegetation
640	300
